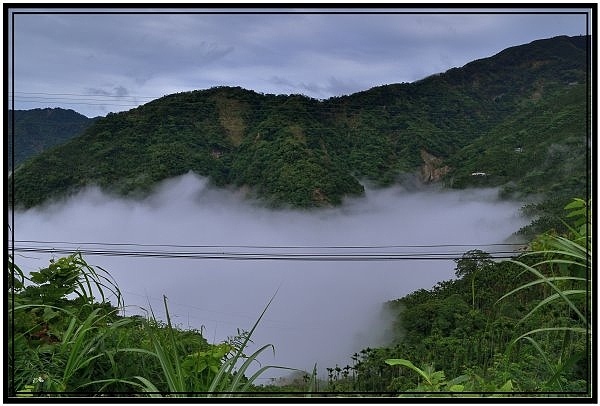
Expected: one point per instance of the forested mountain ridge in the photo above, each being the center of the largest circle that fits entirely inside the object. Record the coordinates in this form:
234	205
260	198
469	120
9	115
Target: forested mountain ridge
39	129
511	117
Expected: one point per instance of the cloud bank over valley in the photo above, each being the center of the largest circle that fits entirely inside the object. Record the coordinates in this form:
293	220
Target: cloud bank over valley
324	310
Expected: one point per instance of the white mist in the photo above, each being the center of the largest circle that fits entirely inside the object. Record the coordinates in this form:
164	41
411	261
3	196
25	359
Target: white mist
323	312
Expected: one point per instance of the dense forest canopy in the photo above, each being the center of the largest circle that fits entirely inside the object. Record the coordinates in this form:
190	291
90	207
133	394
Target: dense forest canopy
39	129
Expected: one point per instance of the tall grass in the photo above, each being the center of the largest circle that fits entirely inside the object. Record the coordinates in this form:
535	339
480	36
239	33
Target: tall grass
227	381
571	258
566	270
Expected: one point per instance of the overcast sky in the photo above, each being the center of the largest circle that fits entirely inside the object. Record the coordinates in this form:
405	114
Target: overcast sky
100	63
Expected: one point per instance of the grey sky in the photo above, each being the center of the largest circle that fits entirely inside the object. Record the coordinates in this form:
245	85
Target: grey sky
98	63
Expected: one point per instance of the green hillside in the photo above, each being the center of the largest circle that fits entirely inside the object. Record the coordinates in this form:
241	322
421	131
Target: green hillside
519	117
39	129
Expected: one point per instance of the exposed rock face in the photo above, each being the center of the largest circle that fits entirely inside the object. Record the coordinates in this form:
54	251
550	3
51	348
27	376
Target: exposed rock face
432	169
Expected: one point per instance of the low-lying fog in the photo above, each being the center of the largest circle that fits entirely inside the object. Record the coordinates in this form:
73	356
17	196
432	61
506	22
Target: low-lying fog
324	311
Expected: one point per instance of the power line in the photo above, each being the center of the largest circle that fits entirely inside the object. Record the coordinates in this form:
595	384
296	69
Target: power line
226	252
69	103
271	246
268	256
81	94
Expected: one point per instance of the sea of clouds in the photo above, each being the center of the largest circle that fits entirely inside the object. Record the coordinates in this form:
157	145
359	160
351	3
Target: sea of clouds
323	311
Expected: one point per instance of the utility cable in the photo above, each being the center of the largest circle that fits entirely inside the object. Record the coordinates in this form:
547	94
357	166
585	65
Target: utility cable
270	246
225	253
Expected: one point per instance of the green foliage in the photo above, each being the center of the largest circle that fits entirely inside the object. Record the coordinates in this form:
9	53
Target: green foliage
70	275
56	341
542	150
40	129
433	381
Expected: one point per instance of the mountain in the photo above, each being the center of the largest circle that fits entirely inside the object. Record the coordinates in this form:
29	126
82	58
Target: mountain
39	129
518	119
